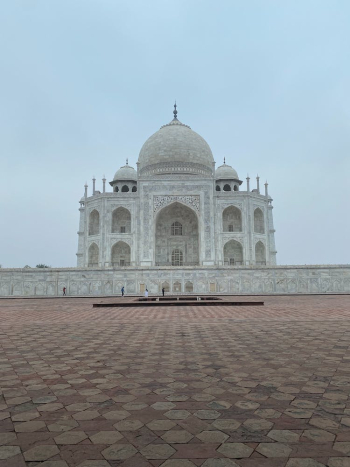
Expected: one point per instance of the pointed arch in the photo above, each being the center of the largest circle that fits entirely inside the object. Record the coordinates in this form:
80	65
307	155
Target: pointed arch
94	222
232	219
259	224
176	228
121	254
233	253
260	253
93	255
227	187
121	220
189	287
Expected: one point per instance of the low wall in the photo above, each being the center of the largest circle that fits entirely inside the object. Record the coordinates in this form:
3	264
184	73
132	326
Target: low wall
234	280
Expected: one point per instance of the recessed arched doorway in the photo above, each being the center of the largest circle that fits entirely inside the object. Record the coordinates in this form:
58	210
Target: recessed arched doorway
176	236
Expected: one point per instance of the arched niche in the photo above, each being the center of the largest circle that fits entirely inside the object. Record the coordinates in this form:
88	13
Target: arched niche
93	256
189	287
121	220
260	253
120	254
177	286
94	222
217	188
232	219
166	287
125	188
233	253
134	189
187	242
259	225
227	187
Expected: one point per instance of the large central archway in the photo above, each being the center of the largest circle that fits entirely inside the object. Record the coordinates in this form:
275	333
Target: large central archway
176	236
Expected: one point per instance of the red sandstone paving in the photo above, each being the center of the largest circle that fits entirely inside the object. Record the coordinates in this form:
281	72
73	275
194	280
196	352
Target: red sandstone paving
81	372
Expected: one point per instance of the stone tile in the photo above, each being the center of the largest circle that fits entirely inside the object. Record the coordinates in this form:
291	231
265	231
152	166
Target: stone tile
78	407
298	413
177	414
253	424
219	463
86	415
284	436
116	415
50	463
7	438
177	436
235	450
274	449
71	437
119	452
161	425
207	414
305	462
64	425
94	463
128	425
319	436
213	436
343	447
157	451
40	453
324	423
178	463
338	462
226	424
29	427
163	406
106	437
6	452
25	416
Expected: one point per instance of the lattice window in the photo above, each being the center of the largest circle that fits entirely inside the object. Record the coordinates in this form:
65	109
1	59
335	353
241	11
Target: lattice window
177	258
176	228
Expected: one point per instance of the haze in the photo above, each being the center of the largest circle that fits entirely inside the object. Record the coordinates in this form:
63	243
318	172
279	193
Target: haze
84	83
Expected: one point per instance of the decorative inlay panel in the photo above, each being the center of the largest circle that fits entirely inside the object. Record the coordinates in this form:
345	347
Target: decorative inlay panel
160	202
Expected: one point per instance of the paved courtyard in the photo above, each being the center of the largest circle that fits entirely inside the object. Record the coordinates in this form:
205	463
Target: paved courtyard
175	386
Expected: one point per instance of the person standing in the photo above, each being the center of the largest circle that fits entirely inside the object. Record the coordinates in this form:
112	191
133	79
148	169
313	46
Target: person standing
64	291
122	291
163	291
146	293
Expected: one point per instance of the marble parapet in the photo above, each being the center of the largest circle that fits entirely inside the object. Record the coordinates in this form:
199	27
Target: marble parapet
309	279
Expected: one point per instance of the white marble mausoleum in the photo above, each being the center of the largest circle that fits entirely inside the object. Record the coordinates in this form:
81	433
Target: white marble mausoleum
179	223
176	209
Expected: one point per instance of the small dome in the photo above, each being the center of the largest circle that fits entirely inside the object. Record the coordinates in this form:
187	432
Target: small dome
226	172
125	173
175	148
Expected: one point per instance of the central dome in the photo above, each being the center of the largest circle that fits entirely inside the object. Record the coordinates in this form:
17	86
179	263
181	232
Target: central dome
175	149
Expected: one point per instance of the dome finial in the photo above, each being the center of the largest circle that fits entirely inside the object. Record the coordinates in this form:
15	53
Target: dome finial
175	111
127	161
224	160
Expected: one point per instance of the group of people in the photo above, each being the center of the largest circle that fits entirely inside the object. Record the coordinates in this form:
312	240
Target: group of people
146	291
122	291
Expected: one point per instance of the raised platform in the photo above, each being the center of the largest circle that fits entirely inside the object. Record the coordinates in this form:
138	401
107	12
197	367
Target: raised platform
201	280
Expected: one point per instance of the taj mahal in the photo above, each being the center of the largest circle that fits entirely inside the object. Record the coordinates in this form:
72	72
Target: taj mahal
176	210
179	223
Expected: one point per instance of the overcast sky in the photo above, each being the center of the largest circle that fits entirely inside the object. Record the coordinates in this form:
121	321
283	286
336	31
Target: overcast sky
83	83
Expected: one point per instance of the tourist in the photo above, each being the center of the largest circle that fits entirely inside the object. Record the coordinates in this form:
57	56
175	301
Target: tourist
64	291
122	291
146	293
163	291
